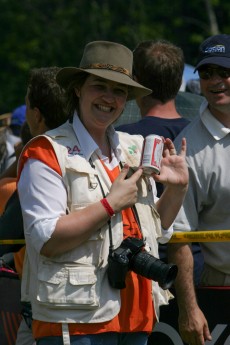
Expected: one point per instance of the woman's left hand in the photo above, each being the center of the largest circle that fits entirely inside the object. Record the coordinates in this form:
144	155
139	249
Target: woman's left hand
174	170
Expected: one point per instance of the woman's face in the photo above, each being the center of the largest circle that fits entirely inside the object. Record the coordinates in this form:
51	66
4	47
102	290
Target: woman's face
101	102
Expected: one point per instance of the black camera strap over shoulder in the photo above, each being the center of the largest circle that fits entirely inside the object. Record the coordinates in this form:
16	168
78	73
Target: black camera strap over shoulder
134	209
104	196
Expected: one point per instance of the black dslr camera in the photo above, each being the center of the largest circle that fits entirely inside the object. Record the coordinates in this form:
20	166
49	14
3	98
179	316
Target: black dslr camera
131	255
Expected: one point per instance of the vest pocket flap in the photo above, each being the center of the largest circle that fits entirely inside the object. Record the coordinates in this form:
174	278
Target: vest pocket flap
67	287
82	276
47	275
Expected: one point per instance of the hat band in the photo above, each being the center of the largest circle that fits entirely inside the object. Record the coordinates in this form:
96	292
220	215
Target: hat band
108	67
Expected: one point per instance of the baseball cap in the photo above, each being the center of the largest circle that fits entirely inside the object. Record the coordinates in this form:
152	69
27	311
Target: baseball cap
18	116
215	50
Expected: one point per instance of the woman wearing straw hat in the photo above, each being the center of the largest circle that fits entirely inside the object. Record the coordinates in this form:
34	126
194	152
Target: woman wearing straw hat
86	195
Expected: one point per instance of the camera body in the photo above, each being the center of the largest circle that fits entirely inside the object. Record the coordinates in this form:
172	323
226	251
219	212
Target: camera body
131	255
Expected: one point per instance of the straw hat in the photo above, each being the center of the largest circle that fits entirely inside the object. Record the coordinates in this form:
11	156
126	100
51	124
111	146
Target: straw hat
108	60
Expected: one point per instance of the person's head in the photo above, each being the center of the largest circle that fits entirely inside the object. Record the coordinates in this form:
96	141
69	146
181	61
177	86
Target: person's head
103	81
17	119
159	66
45	101
213	67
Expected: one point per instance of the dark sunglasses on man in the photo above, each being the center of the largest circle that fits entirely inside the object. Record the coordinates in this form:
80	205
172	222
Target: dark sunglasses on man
207	72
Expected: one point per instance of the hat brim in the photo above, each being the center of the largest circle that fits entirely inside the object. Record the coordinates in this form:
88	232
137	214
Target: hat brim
135	90
215	60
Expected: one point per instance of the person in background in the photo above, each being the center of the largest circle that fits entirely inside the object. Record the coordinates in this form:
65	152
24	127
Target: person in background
10	140
207	203
13	133
11	170
8	179
193	86
7	187
17	120
45	109
159	66
87	195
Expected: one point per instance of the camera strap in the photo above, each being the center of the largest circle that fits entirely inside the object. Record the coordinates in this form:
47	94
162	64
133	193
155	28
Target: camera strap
134	209
109	221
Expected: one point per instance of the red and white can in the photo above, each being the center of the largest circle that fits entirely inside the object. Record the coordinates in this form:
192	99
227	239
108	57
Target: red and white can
152	154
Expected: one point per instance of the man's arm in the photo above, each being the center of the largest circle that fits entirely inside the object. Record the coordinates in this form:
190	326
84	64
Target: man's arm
193	325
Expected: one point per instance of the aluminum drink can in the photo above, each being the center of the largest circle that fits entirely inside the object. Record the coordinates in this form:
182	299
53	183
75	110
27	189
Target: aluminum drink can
152	154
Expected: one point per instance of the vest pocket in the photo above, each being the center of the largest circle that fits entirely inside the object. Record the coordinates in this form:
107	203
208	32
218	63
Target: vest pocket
67	287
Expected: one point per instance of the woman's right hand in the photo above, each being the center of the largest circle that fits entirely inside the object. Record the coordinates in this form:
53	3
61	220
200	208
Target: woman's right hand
124	190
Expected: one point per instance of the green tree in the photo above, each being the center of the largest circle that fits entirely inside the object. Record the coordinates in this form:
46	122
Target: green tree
36	33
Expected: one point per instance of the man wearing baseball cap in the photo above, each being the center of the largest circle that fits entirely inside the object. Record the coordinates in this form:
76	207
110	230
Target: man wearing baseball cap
207	203
214	50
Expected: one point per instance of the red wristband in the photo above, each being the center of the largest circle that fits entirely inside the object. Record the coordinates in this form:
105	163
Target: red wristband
107	207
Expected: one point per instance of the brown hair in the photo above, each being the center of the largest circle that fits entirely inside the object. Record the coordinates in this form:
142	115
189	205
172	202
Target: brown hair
159	65
71	97
45	94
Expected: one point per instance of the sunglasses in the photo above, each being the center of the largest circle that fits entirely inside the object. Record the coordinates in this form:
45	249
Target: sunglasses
207	72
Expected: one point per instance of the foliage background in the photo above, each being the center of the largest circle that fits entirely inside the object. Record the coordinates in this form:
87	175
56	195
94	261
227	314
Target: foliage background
39	33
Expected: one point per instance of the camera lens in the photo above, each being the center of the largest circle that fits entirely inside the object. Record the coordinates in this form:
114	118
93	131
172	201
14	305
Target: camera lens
150	267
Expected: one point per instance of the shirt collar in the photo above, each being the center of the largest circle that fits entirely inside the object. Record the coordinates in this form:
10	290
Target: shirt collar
215	127
88	145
